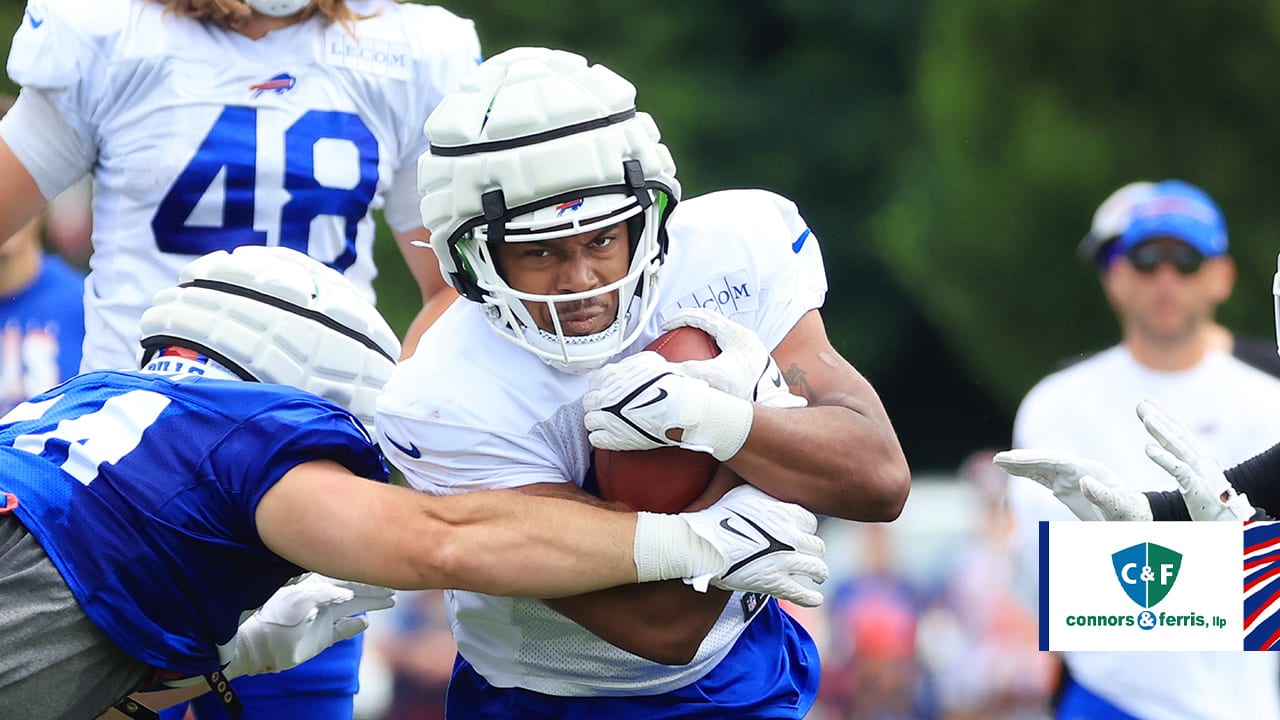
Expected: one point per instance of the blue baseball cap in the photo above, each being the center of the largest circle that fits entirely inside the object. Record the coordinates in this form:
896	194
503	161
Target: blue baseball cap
1177	210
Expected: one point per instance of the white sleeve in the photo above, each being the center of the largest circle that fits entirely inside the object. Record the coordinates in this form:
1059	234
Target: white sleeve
791	259
443	459
452	53
59	56
54	152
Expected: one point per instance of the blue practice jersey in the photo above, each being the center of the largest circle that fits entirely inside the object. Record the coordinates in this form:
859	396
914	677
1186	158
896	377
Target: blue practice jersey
143	488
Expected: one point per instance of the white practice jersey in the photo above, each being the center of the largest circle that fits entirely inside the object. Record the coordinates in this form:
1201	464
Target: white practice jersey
476	412
200	138
1088	410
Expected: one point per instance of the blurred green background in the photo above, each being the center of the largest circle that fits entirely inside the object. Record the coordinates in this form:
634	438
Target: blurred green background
949	155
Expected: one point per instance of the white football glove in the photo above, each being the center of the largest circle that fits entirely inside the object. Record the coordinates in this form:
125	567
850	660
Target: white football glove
632	404
1205	489
1086	486
748	540
302	619
744	368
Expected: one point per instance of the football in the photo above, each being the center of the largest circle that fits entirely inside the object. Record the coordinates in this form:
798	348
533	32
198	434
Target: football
666	479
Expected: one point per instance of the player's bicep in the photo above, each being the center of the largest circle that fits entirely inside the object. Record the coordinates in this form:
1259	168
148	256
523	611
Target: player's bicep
814	370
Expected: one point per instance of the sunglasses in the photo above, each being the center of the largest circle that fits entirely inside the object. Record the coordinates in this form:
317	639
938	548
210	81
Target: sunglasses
1184	258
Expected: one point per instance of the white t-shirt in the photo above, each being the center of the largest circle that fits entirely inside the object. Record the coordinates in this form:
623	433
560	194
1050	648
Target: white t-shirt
1088	409
200	138
477	412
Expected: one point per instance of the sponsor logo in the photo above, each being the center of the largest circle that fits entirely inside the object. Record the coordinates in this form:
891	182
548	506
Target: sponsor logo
380	57
1146	572
730	294
35	20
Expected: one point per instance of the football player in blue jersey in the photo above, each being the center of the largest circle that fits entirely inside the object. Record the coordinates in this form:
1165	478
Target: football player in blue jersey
141	512
210	124
555	210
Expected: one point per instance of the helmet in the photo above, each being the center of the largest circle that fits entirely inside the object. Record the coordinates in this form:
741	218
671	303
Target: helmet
275	315
1110	221
536	144
278	8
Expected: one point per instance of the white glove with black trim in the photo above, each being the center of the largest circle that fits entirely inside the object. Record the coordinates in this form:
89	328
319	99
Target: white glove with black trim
302	619
1204	487
632	403
748	540
1087	487
744	368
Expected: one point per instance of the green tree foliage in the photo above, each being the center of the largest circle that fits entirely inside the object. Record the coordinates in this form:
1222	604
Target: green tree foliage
1030	114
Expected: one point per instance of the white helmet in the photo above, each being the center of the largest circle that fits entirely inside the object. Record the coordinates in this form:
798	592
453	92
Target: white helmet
275	315
535	145
278	8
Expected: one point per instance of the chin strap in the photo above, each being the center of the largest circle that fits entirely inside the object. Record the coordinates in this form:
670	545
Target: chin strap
218	683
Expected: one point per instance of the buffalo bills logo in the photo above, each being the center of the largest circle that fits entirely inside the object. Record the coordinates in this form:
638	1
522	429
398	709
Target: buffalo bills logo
279	84
570	206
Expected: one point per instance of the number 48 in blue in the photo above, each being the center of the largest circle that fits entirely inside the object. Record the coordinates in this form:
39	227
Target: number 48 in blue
231	146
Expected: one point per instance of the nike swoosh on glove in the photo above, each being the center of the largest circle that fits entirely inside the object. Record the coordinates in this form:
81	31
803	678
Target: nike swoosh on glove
1077	483
633	403
765	544
1204	487
744	368
301	620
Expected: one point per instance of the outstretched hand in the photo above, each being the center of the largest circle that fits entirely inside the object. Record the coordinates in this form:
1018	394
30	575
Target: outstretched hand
301	620
1204	487
1089	488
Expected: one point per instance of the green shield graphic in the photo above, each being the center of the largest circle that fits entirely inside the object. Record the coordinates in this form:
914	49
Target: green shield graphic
1164	564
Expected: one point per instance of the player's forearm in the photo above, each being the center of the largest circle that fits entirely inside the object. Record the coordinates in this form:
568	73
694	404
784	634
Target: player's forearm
664	622
512	544
859	473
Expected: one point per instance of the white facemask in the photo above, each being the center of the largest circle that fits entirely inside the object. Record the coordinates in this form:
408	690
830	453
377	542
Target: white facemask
278	8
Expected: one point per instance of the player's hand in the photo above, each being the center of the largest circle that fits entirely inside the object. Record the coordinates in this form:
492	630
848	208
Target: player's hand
1205	489
765	544
634	403
302	619
744	368
1086	486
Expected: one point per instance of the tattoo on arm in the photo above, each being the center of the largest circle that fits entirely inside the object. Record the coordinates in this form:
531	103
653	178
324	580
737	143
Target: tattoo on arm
798	383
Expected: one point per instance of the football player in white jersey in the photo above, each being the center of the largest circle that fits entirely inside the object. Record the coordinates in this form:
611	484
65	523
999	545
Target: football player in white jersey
142	511
210	124
553	210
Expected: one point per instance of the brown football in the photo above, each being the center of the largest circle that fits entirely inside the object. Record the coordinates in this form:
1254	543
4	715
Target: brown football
666	479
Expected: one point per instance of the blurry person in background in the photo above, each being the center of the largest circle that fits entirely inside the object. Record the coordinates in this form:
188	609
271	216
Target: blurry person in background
981	642
1164	277
414	642
41	313
872	670
1098	248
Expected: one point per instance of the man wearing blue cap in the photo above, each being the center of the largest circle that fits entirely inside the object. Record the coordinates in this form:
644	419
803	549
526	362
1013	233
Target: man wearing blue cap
1164	274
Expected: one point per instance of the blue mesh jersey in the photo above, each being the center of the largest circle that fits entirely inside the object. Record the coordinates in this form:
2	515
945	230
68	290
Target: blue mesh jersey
142	490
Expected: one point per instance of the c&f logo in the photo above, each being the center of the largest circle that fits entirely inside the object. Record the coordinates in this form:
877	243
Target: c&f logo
1146	572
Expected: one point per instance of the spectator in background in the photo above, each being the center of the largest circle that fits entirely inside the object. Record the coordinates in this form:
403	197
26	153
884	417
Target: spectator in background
414	641
41	314
872	671
980	642
1164	276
